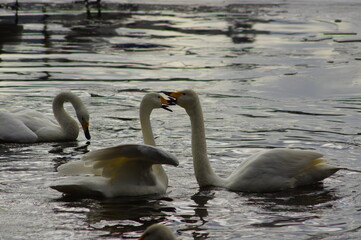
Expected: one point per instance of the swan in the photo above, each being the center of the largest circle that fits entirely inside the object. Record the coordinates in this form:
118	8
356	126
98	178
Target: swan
157	232
30	126
123	170
267	171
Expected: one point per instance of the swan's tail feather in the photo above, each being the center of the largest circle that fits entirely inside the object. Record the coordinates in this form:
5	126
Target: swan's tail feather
320	162
350	170
317	162
315	171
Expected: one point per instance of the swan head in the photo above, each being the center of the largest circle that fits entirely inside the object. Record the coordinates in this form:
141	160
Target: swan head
83	117
185	98
157	232
155	100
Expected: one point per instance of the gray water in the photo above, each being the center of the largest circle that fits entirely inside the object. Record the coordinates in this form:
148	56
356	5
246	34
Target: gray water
269	75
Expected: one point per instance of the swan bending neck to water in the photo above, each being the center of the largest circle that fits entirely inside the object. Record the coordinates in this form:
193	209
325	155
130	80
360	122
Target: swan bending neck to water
267	171
30	126
68	125
123	170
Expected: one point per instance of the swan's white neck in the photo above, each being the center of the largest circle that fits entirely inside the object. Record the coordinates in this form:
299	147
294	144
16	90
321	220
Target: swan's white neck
144	116
202	168
148	138
68	125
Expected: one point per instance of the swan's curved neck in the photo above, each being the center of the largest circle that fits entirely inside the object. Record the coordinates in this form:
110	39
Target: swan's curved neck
68	125
205	175
144	116
148	137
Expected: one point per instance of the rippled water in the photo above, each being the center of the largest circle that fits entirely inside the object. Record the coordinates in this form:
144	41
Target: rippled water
269	75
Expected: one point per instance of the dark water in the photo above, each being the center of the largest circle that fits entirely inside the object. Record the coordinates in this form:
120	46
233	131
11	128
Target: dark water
285	74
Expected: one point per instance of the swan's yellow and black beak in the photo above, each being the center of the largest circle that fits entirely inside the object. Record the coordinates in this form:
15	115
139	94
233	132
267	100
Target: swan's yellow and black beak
166	103
85	126
173	96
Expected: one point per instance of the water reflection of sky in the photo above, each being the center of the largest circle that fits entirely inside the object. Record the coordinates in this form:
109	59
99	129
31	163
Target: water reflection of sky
275	39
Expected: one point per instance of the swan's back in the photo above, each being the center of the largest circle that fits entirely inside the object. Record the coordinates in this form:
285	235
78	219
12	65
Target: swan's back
14	130
279	169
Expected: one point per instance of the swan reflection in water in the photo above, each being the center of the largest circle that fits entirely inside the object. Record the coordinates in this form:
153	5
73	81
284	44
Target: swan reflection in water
65	151
121	216
298	207
296	200
126	217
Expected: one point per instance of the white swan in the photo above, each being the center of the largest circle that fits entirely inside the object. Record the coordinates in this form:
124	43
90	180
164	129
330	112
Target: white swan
157	232
31	126
124	170
267	171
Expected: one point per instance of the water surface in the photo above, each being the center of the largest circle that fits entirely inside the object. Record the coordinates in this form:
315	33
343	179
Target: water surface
269	75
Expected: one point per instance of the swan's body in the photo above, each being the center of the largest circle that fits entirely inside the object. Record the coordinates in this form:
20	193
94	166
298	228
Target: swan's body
30	126
157	232
268	171
136	169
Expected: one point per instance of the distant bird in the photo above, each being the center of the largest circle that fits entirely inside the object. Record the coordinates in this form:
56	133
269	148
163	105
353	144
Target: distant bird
124	170
88	3
267	171
29	126
157	232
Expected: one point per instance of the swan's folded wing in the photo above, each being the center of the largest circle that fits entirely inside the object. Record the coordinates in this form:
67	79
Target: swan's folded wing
77	167
286	162
14	130
128	160
36	120
278	169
